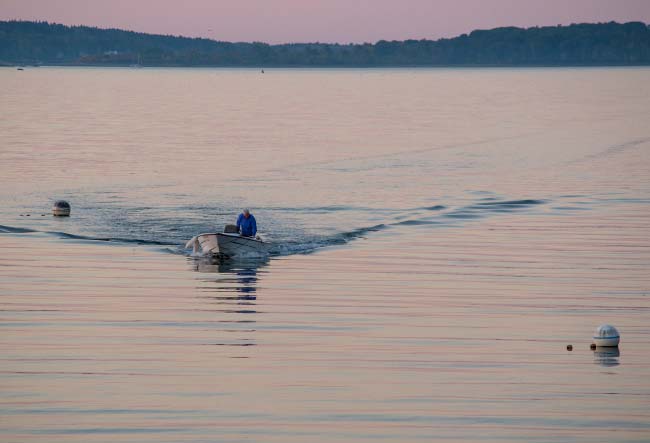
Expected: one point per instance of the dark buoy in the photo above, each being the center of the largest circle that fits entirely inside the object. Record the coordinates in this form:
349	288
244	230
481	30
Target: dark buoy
569	347
61	208
592	346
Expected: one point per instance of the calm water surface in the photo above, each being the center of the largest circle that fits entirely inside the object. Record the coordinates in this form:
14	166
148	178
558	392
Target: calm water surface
440	237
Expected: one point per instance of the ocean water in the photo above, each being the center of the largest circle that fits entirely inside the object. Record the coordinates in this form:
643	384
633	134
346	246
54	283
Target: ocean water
439	237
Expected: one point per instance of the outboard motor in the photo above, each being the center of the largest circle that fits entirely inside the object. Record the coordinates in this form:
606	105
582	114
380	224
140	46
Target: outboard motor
231	229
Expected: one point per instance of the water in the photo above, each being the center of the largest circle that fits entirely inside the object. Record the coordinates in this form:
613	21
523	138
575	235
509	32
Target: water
440	237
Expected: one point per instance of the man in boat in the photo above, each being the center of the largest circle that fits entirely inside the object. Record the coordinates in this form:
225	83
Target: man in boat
246	224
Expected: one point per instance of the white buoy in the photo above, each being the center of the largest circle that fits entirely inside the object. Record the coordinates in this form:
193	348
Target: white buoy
61	208
607	336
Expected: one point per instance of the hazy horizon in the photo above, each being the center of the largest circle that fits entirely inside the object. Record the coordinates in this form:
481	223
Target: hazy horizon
291	21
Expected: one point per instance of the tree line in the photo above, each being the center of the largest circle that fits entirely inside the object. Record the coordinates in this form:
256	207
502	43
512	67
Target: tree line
25	42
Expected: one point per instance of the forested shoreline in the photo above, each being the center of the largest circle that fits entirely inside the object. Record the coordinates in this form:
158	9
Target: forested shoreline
601	44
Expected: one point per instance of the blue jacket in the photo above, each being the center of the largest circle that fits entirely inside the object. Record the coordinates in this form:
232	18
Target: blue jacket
247	226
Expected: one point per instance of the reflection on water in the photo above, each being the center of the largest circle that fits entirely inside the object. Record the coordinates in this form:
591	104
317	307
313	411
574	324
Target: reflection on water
240	276
231	287
213	264
607	357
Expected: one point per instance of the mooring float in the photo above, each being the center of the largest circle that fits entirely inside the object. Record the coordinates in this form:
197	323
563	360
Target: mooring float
61	208
606	336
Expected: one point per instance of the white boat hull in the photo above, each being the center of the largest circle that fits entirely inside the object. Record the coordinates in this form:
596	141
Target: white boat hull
229	245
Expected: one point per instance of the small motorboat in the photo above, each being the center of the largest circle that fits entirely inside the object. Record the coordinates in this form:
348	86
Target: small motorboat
228	244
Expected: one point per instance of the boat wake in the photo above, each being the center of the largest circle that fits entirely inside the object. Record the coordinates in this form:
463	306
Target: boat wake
66	235
295	235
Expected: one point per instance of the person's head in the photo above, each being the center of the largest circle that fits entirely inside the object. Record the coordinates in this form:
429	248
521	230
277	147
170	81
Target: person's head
247	212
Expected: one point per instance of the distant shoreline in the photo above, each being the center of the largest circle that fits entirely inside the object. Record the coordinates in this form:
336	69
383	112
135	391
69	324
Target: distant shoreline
577	45
311	67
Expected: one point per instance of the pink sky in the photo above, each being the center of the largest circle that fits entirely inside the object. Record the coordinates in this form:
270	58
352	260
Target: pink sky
344	21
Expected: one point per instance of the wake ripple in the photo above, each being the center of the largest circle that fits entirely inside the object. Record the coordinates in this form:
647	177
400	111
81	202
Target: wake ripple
285	245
